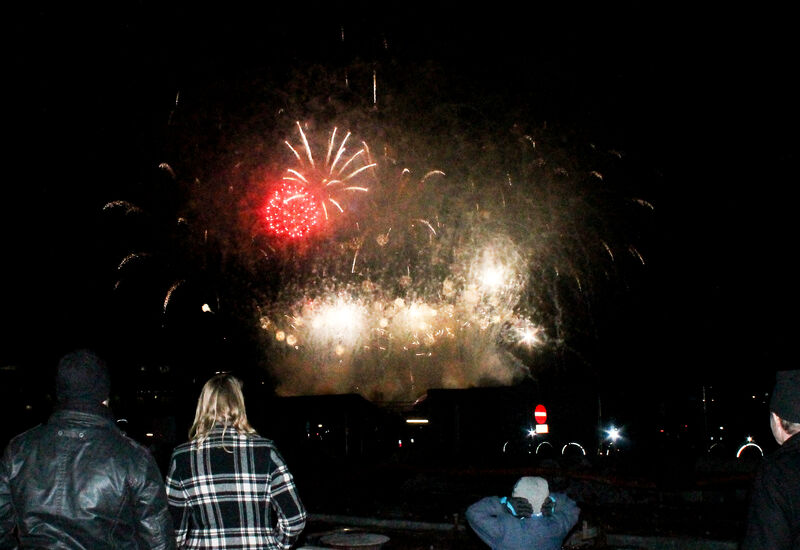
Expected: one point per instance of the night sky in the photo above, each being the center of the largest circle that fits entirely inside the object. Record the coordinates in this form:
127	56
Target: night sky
701	102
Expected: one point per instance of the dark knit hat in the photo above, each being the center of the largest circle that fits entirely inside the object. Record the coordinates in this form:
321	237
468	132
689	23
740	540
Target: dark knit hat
82	378
785	401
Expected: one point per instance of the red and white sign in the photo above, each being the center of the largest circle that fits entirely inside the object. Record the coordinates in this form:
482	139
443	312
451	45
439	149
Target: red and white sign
540	414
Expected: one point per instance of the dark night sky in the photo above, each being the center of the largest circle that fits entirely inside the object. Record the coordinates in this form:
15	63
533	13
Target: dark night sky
702	97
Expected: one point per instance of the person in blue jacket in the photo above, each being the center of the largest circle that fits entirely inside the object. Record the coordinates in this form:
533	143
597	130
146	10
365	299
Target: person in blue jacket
531	518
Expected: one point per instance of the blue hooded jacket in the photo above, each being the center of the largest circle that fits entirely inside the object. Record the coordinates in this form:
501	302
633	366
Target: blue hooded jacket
496	526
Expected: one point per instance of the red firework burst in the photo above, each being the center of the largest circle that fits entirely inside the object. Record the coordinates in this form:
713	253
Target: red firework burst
292	211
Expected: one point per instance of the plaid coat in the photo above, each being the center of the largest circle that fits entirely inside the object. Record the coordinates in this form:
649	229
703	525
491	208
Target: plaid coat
233	491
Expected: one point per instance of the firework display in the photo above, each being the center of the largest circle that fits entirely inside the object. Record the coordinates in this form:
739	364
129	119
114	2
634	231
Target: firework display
403	259
437	284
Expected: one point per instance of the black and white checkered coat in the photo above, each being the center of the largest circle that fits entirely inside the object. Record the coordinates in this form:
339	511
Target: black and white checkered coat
233	491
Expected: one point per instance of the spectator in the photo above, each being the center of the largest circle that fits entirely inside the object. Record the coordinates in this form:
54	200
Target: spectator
76	482
530	518
773	519
228	487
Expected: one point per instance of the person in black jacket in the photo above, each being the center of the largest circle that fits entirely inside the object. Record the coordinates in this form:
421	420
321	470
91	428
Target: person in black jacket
773	520
76	482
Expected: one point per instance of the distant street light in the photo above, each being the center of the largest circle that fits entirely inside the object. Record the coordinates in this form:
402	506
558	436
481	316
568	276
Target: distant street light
613	433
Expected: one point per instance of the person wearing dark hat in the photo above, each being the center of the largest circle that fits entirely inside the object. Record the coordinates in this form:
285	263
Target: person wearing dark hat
530	518
773	518
76	482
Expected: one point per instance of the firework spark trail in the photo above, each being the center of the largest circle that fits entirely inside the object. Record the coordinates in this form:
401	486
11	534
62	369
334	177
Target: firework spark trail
131	257
341	150
300	177
608	249
168	169
170	292
354	173
429	174
305	143
635	253
127	206
174	108
347	162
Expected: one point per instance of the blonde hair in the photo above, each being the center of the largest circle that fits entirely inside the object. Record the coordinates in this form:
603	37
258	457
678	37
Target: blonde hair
221	402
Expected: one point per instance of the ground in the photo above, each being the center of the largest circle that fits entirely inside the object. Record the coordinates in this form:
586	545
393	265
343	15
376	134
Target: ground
395	501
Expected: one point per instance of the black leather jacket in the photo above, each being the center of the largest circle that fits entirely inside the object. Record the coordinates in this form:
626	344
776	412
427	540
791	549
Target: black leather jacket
773	517
76	482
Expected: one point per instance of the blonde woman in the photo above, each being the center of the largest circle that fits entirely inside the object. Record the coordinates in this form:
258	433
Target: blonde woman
227	482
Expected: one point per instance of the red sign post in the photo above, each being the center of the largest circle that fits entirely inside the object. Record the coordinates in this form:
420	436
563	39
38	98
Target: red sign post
540	414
